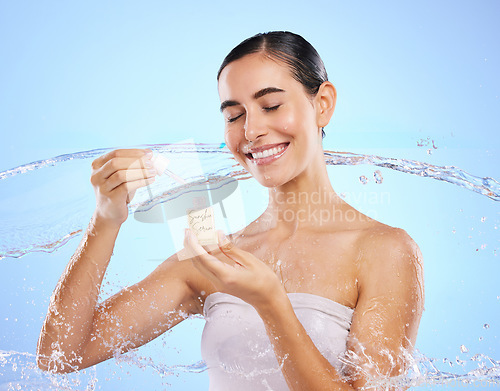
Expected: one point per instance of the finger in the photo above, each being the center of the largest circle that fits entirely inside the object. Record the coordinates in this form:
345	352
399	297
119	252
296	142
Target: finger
129	187
211	263
114	165
125	163
238	256
212	250
191	243
118	153
188	250
124	176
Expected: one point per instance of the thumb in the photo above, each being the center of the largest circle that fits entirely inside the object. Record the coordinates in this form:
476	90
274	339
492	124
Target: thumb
228	248
130	196
223	240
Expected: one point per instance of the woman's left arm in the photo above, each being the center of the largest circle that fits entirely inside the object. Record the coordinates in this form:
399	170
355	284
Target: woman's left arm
385	320
390	304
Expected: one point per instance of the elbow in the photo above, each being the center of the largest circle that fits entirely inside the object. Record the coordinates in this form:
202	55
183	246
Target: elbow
53	360
42	362
55	363
42	359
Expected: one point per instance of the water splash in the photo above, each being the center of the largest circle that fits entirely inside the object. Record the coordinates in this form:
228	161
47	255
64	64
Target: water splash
479	371
486	186
18	371
363	179
378	177
41	212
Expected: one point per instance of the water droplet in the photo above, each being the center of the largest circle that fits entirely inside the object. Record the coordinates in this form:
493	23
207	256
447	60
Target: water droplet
429	152
480	338
363	179
483	219
378	176
486	326
463	349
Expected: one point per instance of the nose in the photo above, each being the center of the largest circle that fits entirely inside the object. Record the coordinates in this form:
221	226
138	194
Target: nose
254	126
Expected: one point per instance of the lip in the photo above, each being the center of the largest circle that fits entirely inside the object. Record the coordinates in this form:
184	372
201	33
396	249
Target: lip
264	148
268	159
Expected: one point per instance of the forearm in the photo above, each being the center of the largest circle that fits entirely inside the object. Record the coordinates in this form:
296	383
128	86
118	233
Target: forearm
303	366
69	321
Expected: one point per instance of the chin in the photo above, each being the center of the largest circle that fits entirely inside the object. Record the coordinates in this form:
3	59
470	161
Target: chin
270	182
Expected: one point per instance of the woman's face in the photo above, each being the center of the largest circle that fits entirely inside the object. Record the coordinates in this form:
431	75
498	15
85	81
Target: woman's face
270	121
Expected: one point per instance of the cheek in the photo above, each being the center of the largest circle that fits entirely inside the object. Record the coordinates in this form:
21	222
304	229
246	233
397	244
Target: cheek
293	121
232	140
286	122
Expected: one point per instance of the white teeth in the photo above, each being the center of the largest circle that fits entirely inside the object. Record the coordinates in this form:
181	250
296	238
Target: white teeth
268	152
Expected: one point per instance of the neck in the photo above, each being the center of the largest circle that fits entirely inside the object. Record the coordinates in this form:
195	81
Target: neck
307	201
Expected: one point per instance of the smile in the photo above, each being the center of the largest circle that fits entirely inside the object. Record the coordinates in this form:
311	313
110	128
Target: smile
267	156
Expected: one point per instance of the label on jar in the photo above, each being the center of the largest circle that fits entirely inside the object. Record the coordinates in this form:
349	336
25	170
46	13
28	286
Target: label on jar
202	223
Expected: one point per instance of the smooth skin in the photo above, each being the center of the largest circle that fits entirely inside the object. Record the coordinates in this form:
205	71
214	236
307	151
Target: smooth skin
348	257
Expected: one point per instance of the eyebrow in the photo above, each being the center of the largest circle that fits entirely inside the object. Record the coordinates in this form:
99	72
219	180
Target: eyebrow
257	95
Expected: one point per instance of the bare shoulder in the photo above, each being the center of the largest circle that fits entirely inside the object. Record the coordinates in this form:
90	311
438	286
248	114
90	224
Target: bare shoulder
391	256
381	237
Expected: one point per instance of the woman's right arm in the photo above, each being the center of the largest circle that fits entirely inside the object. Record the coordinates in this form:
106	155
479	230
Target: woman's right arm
78	332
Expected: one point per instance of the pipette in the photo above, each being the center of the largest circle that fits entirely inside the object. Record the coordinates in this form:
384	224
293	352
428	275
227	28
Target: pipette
161	163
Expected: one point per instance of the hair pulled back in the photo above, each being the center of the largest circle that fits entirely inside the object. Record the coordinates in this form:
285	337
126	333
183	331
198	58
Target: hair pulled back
299	55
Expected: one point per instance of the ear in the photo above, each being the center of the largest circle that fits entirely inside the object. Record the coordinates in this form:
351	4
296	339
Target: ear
325	99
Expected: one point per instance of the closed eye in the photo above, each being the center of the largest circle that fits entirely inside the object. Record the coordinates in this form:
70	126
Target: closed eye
234	118
272	108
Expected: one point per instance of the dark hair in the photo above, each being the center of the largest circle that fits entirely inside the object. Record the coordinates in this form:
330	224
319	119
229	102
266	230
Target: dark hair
292	49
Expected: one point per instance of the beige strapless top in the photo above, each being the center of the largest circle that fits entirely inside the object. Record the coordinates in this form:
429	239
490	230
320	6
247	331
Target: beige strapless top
236	348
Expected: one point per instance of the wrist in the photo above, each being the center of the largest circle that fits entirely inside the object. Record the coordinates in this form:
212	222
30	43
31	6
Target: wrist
99	222
278	302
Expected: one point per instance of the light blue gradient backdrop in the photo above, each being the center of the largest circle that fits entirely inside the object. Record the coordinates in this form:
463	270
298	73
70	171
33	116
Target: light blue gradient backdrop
84	75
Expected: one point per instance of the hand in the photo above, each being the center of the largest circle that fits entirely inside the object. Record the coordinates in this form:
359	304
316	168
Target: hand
235	271
115	178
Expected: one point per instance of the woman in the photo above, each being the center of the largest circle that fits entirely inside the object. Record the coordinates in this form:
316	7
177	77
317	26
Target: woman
313	295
